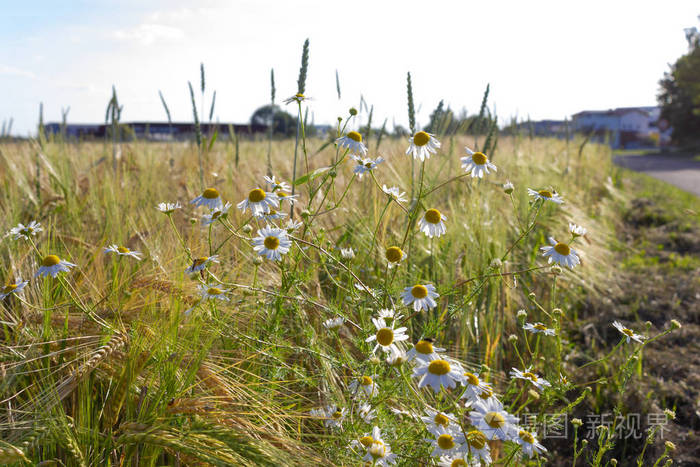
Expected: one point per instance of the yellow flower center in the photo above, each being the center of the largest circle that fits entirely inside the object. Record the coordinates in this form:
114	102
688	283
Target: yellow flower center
476	439
545	193
419	291
282	194
494	420
421	138
458	462
627	332
433	216
439	367
211	193
562	248
355	136
479	158
214	291
385	336
446	441
540	327
337	414
299	96
255	196
472	379
368	164
441	419
366	381
366	441
9	288
123	250
272	242
393	254
201	260
527	437
50	260
424	347
530	376
486	393
377	450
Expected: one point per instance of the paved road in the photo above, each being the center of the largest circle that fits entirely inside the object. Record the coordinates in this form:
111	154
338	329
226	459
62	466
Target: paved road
683	172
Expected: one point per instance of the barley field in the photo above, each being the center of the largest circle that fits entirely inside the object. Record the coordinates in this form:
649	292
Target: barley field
237	324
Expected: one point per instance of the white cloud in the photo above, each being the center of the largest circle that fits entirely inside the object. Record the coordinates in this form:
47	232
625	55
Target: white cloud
149	33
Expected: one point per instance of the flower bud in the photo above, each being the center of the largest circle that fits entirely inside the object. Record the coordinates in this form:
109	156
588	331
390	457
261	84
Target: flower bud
670	446
521	315
353	111
613	462
532	296
675	324
333	173
257	260
556	269
508	187
670	414
247	228
576	422
512	338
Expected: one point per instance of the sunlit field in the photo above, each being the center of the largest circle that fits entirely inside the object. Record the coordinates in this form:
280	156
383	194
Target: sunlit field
341	326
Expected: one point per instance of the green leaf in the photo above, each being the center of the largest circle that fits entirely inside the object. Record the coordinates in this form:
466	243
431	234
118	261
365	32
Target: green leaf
213	140
310	176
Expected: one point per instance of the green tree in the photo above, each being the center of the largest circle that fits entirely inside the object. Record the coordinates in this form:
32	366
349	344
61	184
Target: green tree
283	124
679	96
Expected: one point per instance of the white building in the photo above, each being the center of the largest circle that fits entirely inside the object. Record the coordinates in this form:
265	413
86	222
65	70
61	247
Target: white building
625	127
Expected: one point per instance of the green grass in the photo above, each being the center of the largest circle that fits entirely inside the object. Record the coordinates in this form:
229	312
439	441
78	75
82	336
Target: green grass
117	362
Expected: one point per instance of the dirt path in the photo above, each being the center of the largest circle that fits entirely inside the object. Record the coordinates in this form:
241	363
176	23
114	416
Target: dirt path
683	172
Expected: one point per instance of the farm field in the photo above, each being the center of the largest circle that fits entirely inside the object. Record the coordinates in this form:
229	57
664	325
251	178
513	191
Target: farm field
172	339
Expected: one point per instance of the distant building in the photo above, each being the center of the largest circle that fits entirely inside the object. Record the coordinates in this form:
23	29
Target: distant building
545	128
624	127
152	131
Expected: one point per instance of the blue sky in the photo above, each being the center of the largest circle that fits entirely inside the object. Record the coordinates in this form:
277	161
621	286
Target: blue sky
546	61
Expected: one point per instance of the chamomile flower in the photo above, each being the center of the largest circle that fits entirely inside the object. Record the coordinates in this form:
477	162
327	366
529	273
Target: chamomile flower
454	460
490	418
628	333
422	145
168	208
538	328
395	194
292	225
259	202
577	230
198	264
434	419
209	198
388	313
353	142
25	231
334	323
379	453
272	215
332	416
477	447
298	97
394	255
212	292
386	336
529	443
365	165
51	265
397	357
422	296
432	223
284	196
437	373
347	253
272	243
477	163
424	351
545	195
364	385
474	387
539	382
216	214
276	185
560	253
446	442
123	251
366	412
10	288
